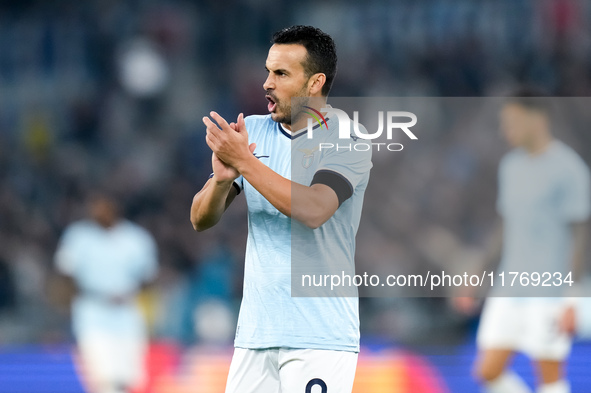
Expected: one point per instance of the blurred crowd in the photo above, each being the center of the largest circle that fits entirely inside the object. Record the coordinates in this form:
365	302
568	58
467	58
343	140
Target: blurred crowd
107	93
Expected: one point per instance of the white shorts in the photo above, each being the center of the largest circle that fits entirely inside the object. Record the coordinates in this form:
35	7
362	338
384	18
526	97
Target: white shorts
109	358
282	370
528	325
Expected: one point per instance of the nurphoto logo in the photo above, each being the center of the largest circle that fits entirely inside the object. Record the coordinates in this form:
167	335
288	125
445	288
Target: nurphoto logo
316	117
392	123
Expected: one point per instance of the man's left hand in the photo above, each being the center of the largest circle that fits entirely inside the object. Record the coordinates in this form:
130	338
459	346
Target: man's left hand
228	141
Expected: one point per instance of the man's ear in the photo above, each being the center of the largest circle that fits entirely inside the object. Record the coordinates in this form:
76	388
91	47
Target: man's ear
316	83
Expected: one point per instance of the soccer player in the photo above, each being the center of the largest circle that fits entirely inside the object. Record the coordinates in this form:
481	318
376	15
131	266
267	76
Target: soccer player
289	344
544	205
108	259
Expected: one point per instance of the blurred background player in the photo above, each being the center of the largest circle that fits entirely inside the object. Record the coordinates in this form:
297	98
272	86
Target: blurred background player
109	260
283	343
543	201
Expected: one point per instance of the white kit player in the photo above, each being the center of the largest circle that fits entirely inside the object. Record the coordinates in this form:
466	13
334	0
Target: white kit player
109	260
289	344
544	203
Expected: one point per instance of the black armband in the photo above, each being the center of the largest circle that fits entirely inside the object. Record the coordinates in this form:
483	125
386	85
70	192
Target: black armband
339	183
237	187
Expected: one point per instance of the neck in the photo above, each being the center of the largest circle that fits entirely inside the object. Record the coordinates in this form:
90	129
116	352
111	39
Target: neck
315	102
540	144
107	224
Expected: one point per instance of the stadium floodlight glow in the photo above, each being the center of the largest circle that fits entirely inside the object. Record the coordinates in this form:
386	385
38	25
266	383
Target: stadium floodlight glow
143	70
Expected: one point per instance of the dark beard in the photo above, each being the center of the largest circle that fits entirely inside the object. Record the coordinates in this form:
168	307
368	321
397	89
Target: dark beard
300	100
284	114
295	110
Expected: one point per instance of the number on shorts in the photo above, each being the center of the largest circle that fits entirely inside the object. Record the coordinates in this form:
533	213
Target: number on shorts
314	382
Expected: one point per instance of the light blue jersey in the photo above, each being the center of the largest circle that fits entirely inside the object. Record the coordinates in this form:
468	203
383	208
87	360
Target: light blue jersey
269	315
103	263
540	196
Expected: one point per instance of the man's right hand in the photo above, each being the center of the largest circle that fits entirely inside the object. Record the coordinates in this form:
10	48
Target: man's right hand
216	195
222	171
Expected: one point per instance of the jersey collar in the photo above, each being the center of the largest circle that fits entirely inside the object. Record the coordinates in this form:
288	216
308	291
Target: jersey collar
298	133
294	135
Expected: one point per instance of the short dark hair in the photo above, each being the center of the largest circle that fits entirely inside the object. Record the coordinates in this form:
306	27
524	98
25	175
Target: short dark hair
322	53
531	98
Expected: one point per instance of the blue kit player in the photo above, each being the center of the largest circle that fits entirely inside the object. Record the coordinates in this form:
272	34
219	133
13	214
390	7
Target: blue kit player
289	344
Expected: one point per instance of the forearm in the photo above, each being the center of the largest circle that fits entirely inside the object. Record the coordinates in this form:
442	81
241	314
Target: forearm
579	231
494	246
61	291
274	187
487	261
310	205
210	203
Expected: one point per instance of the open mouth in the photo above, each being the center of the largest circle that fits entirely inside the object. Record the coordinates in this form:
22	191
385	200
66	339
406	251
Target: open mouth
272	104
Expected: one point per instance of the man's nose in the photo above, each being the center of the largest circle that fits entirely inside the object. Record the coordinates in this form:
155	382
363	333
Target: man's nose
269	83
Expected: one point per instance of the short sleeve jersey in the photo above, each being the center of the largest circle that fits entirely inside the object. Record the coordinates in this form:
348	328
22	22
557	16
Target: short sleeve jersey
269	315
539	197
106	262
